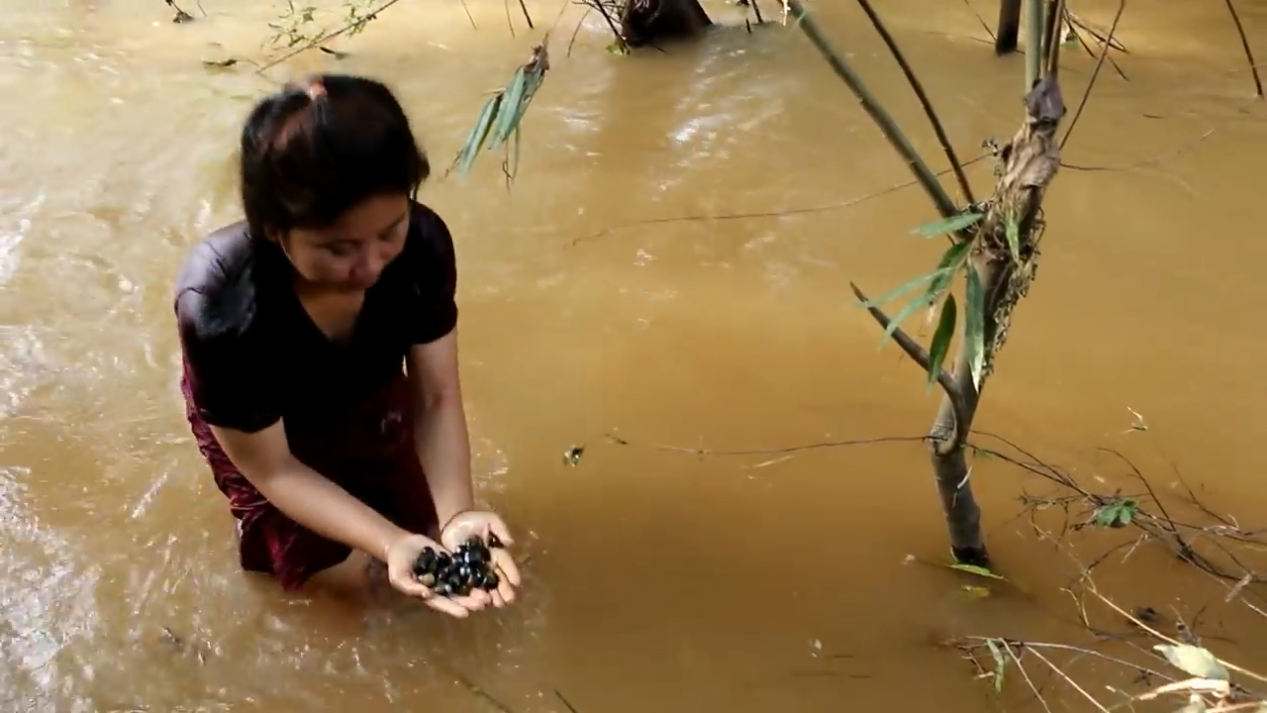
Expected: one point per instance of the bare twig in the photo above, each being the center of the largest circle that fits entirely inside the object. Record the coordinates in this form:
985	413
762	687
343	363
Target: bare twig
348	27
900	143
1113	63
1104	52
778	450
924	101
781	213
985	25
1249	54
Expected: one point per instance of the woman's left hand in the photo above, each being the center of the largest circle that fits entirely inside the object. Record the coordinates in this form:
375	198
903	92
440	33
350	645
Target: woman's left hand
476	523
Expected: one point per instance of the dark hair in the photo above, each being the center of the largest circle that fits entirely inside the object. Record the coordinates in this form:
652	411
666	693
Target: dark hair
322	145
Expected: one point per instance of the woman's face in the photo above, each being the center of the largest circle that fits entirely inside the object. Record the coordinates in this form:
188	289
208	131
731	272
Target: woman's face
349	255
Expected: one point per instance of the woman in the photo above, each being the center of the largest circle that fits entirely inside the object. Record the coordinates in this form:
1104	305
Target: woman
294	325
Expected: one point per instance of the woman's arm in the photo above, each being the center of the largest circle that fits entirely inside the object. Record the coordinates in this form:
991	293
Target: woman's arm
304	495
444	446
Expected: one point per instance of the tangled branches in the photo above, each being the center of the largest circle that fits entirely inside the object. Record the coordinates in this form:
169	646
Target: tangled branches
1160	665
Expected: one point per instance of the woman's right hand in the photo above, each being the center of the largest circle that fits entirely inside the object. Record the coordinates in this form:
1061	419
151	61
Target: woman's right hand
400	556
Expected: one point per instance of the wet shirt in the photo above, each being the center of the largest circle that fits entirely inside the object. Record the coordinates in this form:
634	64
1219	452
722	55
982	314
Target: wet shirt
254	356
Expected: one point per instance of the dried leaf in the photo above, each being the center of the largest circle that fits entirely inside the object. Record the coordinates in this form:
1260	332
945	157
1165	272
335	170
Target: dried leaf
1000	664
974	326
1193	660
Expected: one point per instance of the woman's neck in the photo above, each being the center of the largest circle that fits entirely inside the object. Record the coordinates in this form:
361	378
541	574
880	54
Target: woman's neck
334	312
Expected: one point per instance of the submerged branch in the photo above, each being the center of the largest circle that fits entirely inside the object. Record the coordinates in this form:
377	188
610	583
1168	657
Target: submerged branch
900	143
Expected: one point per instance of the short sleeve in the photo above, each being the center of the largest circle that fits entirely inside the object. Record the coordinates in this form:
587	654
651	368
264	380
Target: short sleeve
431	272
225	371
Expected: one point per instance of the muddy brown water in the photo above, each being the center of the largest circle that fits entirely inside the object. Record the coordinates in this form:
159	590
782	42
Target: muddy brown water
657	579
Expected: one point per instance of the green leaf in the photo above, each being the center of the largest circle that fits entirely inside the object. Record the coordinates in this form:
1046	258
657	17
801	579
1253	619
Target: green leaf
1000	664
1116	514
974	326
1014	238
941	340
510	108
479	134
915	304
939	279
900	290
945	226
1193	660
978	571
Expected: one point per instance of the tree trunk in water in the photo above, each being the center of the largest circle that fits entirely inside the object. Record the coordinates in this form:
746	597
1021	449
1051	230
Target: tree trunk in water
947	442
646	22
1008	35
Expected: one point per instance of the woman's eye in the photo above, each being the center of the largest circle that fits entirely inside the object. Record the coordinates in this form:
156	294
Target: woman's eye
339	250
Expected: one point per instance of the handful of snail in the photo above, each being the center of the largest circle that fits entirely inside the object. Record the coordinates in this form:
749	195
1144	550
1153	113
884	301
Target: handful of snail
467	569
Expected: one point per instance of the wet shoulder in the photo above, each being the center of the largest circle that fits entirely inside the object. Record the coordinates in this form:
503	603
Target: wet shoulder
215	292
428	235
427	262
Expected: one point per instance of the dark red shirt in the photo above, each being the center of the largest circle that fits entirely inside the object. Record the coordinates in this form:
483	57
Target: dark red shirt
253	355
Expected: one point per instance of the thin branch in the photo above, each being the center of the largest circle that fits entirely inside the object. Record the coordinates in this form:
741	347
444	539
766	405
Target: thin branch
469	16
774	451
577	31
1249	54
1097	34
924	101
1104	52
985	25
1146	162
900	143
778	213
1056	669
1092	53
566	704
917	353
351	25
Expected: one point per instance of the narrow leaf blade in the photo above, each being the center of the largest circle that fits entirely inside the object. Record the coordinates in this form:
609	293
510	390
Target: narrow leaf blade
479	134
945	226
941	340
510	108
900	290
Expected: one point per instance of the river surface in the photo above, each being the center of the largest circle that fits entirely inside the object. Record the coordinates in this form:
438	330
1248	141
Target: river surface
671	267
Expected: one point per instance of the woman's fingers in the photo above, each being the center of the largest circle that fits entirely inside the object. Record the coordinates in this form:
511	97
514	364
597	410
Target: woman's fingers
497	527
469	602
448	606
498	600
408	585
506	565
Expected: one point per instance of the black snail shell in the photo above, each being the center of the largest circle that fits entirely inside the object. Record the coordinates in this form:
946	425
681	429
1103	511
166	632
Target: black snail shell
467	569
